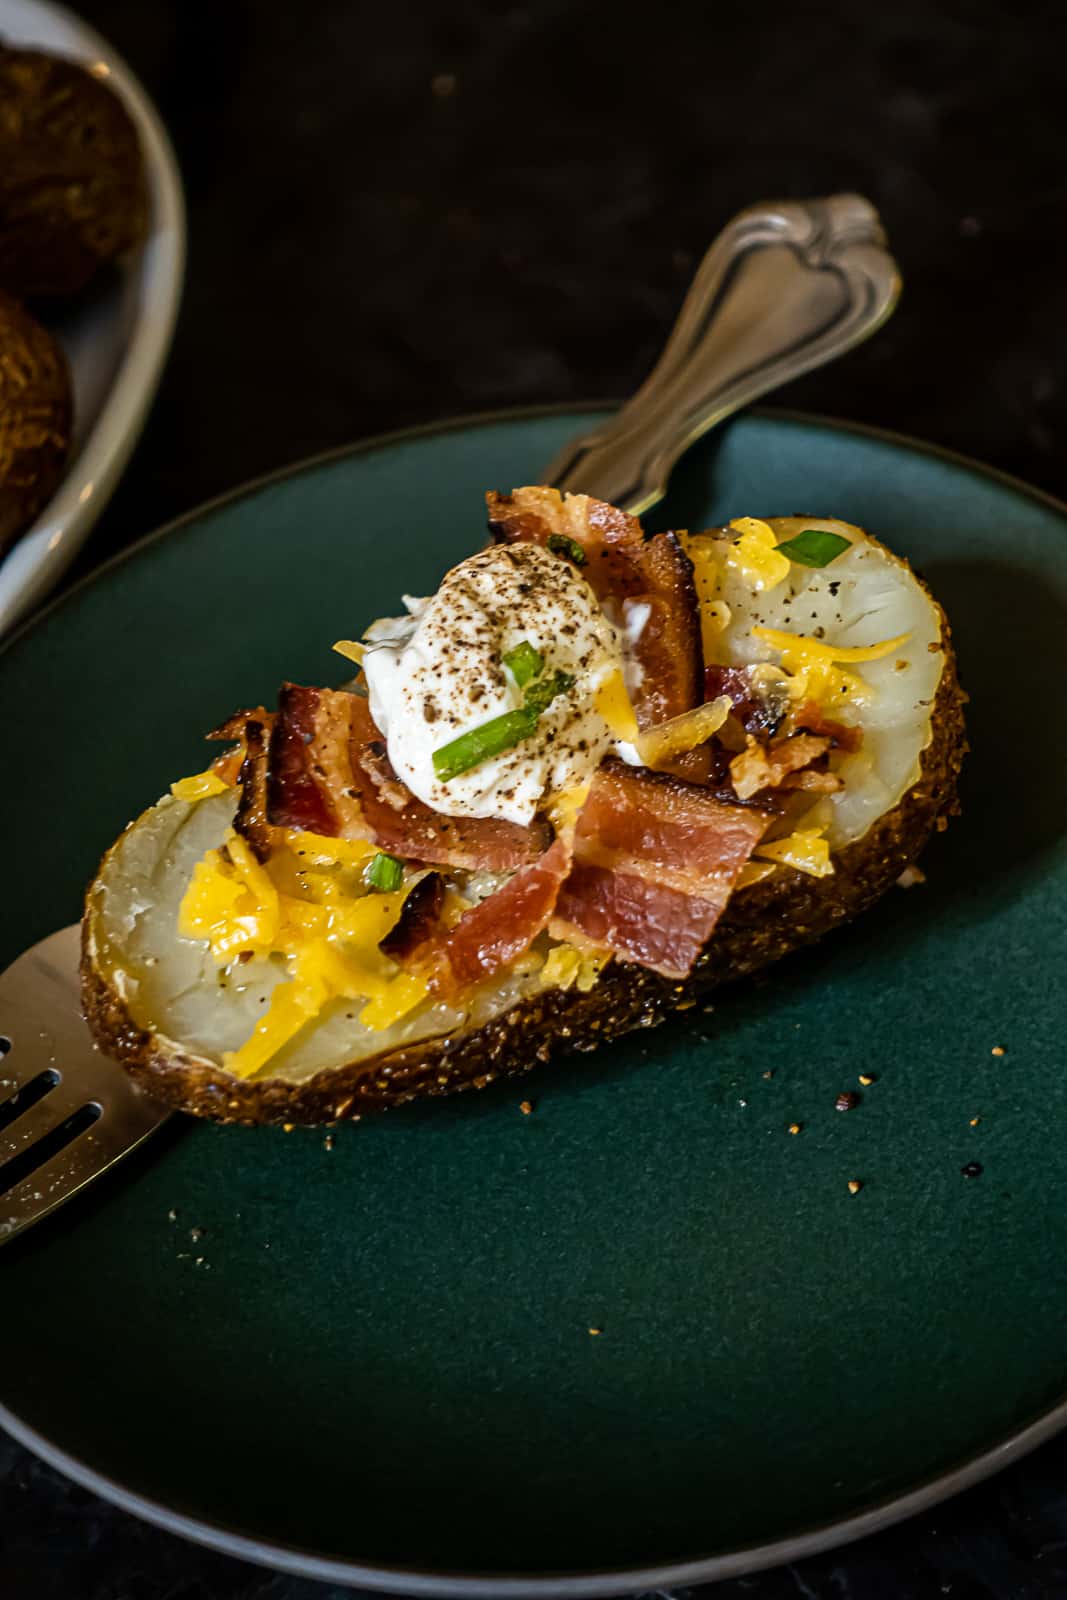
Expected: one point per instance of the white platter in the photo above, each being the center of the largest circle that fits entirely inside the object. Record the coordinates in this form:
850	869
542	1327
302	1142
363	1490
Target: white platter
117	343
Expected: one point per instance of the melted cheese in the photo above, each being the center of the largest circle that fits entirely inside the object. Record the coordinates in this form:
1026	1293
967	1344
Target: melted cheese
815	667
201	786
806	850
754	555
567	967
301	906
613	703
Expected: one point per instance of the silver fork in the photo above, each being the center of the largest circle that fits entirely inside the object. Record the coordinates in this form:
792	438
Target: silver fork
785	288
67	1113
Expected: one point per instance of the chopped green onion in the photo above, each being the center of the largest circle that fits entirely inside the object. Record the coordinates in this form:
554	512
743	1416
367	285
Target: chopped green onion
480	744
814	547
524	663
385	872
540	695
500	733
561	544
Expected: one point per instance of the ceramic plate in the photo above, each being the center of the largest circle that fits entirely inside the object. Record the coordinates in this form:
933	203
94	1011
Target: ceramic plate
117	342
375	1362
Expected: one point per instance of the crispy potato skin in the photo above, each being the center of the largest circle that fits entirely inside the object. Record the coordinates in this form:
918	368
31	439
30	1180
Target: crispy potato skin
35	418
73	194
759	926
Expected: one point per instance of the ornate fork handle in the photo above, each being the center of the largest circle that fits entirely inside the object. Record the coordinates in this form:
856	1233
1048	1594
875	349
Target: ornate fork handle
784	288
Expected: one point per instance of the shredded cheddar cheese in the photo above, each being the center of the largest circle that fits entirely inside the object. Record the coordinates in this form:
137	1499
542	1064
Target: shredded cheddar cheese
816	668
755	556
714	613
351	649
682	733
566	967
613	703
201	786
805	850
307	904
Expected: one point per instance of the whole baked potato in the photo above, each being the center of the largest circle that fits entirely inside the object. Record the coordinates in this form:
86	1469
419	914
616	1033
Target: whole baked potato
73	194
215	928
35	418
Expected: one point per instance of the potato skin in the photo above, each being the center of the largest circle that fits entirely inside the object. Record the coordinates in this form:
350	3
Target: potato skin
35	418
73	194
759	926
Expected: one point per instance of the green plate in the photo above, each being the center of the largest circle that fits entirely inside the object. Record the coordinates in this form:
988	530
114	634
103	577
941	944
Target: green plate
377	1362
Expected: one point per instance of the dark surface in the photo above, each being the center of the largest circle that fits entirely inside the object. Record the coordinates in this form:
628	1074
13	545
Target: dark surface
413	211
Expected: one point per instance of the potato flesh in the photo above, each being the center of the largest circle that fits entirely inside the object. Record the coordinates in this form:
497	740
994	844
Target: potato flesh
877	598
173	988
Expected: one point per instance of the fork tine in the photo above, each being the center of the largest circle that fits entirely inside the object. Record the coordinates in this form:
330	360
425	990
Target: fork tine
35	1030
41	1015
41	1118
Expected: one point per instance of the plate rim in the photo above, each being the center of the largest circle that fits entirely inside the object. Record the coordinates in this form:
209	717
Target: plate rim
157	277
449	1585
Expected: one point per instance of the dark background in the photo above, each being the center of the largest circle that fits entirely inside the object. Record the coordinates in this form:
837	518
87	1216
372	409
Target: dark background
407	211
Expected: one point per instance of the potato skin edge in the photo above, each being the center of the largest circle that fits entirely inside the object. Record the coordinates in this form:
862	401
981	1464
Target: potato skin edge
759	926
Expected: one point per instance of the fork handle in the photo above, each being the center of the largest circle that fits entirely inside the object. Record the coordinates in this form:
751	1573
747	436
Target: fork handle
784	288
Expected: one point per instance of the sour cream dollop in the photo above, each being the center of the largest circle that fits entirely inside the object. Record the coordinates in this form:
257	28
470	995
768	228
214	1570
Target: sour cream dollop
439	672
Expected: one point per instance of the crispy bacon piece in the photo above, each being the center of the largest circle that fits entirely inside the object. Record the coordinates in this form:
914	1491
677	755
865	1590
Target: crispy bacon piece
251	820
840	735
503	925
298	795
638	919
418	920
228	765
419	834
655	861
329	773
765	766
623	566
757	713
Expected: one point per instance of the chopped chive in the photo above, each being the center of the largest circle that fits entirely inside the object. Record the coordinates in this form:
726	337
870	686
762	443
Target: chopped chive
524	663
480	744
540	695
385	872
814	547
561	544
500	733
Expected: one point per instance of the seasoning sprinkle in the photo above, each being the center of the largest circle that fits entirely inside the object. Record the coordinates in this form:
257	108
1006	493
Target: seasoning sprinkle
526	1106
867	1078
596	1332
998	1050
769	1073
854	1186
975	1121
794	1127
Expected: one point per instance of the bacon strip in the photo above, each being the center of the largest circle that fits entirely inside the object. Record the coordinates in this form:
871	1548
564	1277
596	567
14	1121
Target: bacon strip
329	773
295	798
623	566
655	862
638	919
251	818
503	925
841	735
766	766
228	765
757	713
417	923
415	831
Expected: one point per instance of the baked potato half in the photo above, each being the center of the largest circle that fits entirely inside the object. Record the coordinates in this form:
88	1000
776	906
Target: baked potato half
177	1016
